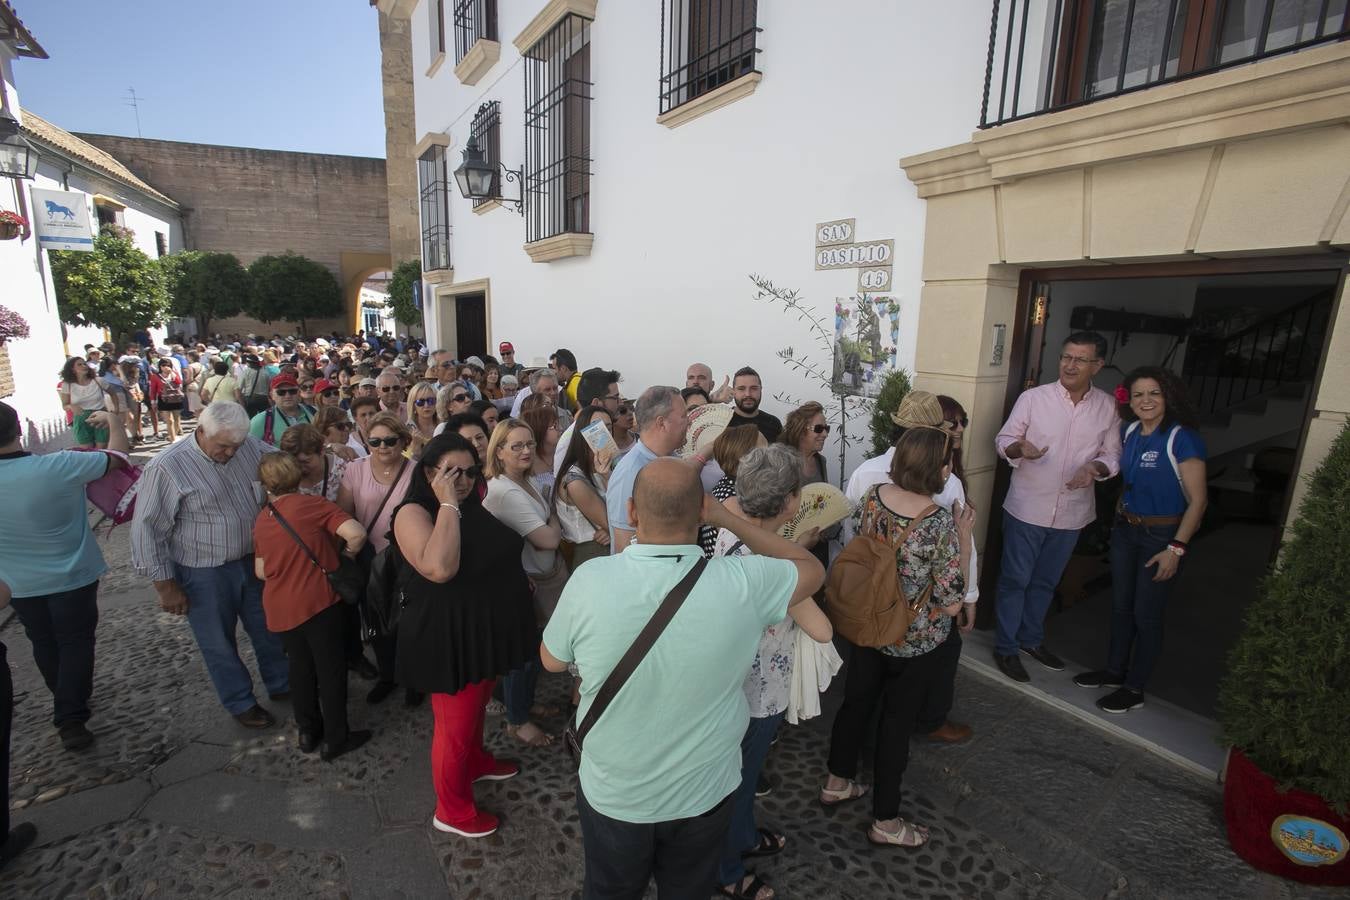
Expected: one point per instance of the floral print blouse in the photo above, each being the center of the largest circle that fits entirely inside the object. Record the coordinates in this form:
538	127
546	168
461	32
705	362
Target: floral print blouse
932	552
769	682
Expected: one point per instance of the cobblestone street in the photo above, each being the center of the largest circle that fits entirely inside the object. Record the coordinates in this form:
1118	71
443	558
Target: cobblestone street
175	799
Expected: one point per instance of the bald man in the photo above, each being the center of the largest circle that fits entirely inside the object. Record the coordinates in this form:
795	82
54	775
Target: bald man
700	375
661	807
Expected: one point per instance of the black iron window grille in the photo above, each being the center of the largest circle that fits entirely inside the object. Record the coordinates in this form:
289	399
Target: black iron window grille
1054	54
557	174
487	131
433	183
436	10
474	19
704	45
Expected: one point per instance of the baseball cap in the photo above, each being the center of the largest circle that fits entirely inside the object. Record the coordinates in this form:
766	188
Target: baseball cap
323	384
920	409
505	347
368	382
284	381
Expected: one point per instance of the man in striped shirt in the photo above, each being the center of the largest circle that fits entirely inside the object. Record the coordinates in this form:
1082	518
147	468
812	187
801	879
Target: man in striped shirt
193	536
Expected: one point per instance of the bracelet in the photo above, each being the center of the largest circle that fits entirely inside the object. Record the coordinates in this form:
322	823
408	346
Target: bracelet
448	505
1182	544
1177	548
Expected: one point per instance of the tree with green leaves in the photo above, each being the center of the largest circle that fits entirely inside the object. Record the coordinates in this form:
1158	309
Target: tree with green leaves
894	387
406	275
114	286
293	288
206	286
1283	701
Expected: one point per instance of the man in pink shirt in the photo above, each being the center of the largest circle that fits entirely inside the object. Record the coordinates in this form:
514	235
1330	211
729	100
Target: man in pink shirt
1060	439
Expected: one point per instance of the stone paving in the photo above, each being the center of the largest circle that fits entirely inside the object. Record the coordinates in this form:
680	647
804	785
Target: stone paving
174	799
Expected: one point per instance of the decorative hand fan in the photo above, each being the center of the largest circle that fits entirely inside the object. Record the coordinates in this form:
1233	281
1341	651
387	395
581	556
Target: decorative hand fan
822	506
705	424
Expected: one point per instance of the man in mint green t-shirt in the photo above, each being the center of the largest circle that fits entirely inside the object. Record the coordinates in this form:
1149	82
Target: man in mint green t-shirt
662	760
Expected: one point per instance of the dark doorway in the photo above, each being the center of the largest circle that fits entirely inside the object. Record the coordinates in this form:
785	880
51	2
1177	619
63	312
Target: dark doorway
471	325
1249	349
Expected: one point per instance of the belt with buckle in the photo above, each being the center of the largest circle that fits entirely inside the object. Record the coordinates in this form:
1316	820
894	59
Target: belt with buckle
1147	521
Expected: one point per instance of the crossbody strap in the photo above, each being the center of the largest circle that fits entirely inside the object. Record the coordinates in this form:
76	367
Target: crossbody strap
635	654
276	514
387	494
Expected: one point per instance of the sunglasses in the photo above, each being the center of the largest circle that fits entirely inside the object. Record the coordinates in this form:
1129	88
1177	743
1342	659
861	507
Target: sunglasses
331	392
821	429
387	388
472	472
425	401
287	392
345	426
459	398
306	388
963	421
383	442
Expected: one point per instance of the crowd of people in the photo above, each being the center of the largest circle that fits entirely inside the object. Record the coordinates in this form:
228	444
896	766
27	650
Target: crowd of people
654	580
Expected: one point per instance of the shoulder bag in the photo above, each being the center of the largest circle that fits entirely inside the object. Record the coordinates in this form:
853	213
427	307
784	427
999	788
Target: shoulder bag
382	601
348	579
576	734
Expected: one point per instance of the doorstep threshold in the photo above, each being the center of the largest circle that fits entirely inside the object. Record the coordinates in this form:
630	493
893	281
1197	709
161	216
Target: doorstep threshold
1185	739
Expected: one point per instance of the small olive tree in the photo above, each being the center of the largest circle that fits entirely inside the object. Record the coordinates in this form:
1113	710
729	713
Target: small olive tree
114	286
293	288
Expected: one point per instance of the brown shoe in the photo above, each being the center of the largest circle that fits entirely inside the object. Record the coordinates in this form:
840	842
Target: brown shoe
951	733
256	717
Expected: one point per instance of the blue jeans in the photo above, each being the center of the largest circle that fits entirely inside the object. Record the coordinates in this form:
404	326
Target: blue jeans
622	857
1033	562
1137	601
61	628
518	691
742	834
219	598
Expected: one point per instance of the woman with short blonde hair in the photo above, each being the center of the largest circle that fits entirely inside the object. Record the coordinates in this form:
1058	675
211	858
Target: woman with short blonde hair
423	415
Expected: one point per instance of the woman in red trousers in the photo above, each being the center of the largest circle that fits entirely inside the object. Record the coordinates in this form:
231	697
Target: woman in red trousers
468	619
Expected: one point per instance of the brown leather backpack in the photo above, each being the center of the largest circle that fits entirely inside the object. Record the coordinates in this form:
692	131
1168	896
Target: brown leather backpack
864	599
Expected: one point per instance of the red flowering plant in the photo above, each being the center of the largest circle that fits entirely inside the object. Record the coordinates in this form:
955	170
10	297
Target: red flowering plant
12	325
9	217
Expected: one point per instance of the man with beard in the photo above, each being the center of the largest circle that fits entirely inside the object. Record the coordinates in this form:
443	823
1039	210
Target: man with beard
746	390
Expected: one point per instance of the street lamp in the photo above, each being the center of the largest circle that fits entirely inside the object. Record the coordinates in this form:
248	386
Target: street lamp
475	176
18	158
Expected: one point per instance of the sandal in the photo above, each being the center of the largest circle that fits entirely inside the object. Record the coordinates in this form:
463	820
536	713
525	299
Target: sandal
495	708
769	844
909	835
542	739
743	891
852	791
546	711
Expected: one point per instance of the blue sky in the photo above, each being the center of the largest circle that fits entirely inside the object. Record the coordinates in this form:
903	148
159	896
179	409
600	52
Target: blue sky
283	75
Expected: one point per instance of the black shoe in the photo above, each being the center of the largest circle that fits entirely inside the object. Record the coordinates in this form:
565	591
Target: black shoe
763	787
1045	658
354	739
255	717
413	698
1121	701
1098	678
363	668
308	742
281	696
380	691
20	837
1012	667
75	735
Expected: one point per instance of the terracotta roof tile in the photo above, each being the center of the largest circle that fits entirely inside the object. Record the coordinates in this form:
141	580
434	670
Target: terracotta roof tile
40	129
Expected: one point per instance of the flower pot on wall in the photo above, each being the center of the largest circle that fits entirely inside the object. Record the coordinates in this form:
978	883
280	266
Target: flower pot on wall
9	231
1294	834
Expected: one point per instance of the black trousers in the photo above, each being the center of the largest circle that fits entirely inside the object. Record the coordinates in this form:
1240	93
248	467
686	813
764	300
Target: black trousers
937	703
900	684
621	857
61	628
351	634
6	722
386	658
318	660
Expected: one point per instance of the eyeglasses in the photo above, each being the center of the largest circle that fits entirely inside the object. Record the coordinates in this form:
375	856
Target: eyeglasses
471	473
1066	359
520	446
821	429
287	392
459	398
425	401
331	392
963	421
383	442
387	388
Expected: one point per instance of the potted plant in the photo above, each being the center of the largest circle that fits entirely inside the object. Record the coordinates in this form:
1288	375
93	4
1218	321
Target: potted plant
1284	705
11	225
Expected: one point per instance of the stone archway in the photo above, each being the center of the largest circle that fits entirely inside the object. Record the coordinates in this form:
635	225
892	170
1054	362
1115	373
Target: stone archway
357	268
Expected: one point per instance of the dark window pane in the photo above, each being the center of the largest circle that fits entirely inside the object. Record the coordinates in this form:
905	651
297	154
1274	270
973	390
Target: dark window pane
1137	29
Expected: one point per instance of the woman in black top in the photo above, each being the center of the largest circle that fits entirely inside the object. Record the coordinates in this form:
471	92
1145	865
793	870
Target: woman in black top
468	619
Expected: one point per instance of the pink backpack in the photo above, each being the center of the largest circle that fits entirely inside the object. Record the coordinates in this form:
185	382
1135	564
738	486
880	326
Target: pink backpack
114	494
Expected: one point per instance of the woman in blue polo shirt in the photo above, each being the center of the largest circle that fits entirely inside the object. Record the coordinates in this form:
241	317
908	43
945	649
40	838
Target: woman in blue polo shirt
1162	462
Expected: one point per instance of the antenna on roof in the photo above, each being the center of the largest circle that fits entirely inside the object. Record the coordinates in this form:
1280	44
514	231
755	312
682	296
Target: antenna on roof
132	101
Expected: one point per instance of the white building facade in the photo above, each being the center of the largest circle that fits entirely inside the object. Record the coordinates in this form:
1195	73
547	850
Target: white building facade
668	151
111	194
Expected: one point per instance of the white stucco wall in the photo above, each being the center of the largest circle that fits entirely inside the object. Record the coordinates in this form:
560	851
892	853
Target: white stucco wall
25	277
682	217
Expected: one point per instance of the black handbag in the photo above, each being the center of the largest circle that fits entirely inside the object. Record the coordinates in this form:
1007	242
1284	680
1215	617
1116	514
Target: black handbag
382	600
575	734
348	579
